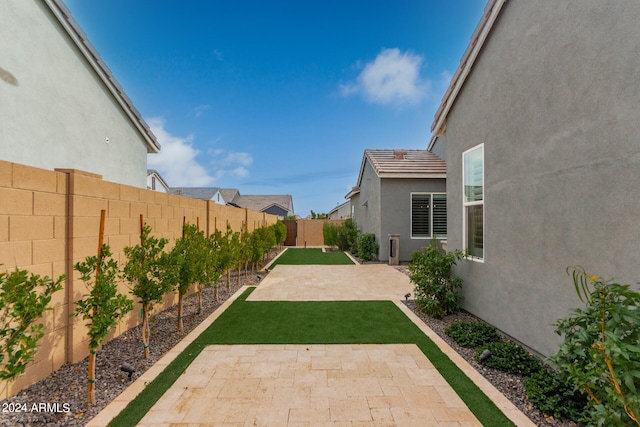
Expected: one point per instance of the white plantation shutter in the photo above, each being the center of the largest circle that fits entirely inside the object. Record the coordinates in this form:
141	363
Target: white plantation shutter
420	215
439	215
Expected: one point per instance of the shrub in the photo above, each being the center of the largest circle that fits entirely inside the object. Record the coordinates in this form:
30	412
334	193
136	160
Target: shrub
509	357
600	352
367	248
330	234
347	234
555	395
436	289
23	299
472	334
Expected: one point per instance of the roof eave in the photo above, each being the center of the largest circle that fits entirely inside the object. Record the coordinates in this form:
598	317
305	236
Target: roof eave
490	15
88	51
412	175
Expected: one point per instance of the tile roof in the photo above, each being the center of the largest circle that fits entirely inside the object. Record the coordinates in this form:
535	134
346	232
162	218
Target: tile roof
406	163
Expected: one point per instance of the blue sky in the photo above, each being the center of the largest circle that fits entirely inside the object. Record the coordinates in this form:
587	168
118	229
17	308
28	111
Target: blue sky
280	97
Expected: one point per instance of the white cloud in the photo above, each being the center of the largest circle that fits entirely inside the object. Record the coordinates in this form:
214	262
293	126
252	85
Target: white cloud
176	160
393	78
230	162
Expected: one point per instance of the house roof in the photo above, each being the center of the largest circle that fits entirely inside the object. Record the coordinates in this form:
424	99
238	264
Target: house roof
202	193
260	203
229	194
403	164
338	207
478	38
354	190
157	175
78	36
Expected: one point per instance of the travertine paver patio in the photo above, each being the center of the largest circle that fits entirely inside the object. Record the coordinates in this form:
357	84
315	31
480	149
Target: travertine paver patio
333	283
314	385
311	385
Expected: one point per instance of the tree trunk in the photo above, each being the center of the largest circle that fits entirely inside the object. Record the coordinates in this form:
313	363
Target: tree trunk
215	293
146	332
91	376
180	324
228	279
199	299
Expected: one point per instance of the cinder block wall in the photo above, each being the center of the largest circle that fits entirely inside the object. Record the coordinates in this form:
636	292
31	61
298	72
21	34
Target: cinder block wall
49	220
310	231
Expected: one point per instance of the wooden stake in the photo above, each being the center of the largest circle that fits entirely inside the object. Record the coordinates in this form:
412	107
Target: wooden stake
91	374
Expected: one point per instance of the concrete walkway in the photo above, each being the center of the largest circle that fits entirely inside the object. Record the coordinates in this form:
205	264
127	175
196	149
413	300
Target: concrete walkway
315	385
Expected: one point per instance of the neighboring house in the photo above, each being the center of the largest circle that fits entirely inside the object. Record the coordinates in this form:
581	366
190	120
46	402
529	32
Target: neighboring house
342	211
401	192
202	193
155	182
541	127
61	106
281	205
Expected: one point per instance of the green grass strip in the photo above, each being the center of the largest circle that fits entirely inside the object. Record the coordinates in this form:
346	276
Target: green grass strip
314	322
311	256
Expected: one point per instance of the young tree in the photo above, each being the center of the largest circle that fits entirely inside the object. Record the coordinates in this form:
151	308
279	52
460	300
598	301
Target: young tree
151	272
103	306
23	299
213	267
188	254
280	231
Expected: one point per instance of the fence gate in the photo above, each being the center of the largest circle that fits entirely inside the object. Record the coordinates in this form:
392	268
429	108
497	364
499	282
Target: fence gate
292	232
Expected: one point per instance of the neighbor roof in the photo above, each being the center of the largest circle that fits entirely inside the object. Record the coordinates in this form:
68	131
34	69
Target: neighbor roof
157	174
478	38
404	164
229	194
202	193
260	203
78	36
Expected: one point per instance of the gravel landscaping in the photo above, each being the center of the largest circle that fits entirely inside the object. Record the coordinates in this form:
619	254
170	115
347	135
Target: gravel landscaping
508	384
68	384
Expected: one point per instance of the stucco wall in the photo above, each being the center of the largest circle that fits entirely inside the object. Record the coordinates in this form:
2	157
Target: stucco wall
59	113
554	98
368	217
396	213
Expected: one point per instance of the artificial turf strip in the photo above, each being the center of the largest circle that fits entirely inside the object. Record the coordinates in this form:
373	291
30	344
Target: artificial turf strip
314	322
309	256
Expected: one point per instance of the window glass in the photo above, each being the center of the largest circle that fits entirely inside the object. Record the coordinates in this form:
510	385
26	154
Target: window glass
473	175
473	201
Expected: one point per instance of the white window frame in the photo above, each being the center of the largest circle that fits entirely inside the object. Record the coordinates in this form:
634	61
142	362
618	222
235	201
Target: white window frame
466	204
430	236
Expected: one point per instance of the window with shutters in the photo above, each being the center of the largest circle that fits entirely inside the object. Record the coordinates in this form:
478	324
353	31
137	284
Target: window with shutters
428	215
473	201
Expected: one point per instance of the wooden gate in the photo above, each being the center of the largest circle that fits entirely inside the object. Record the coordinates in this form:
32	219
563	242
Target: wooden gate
292	232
